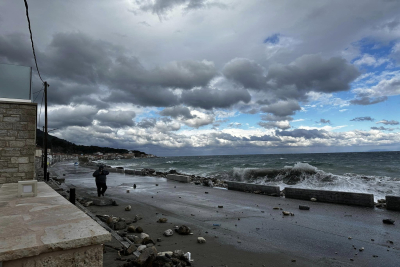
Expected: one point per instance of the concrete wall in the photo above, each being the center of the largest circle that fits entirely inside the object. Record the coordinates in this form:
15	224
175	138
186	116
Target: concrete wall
393	203
17	141
179	178
84	256
270	190
355	199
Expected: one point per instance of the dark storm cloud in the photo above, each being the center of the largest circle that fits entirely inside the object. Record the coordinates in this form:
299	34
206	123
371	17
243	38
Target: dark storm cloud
184	74
274	124
282	108
160	7
313	73
147	123
263	138
16	50
71	116
78	57
324	121
116	119
363	119
386	122
207	98
144	96
365	100
245	72
307	134
77	65
176	112
382	128
230	137
270	117
307	73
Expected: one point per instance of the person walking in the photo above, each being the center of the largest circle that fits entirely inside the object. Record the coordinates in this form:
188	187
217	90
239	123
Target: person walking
101	180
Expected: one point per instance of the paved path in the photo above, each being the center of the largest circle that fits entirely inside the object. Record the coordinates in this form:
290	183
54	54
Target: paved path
317	234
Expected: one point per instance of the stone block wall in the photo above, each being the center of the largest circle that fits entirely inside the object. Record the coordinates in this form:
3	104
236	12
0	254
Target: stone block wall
338	197
266	189
17	141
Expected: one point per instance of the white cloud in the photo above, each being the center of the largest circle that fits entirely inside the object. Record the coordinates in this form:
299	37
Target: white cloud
370	60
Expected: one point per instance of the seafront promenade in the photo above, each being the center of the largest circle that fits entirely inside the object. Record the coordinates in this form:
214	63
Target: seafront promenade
249	224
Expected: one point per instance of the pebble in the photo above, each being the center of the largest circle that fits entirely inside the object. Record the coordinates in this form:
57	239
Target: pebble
128	208
350	237
304	207
201	240
388	221
361	249
168	232
220	207
127	191
313	199
286	213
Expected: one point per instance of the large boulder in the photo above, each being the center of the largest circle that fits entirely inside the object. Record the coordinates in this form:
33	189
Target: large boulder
147	257
183	230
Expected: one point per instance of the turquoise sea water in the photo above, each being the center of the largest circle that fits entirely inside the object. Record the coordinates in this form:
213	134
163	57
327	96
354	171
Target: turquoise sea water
370	172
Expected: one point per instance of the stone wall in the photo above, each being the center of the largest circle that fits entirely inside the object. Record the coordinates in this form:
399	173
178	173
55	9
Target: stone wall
338	197
266	189
17	141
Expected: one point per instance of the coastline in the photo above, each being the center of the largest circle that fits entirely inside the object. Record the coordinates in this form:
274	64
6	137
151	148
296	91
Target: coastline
264	236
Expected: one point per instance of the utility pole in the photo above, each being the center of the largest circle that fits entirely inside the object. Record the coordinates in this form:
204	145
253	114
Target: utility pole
45	133
43	150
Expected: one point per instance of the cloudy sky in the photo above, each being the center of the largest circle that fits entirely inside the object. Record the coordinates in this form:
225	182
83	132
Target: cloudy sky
203	77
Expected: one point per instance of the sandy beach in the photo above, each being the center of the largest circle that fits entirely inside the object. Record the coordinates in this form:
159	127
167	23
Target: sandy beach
250	232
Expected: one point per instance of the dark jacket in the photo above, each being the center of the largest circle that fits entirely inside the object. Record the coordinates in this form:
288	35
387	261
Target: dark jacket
100	177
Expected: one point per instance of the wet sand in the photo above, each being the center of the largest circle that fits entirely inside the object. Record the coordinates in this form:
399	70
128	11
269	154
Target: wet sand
262	236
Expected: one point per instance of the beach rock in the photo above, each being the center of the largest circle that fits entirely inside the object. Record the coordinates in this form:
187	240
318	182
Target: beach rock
201	240
388	221
114	203
303	207
382	200
162	220
158	239
147	256
161	261
141	247
120	225
220	207
102	202
131	238
178	253
131	229
134	186
313	199
87	204
168	232
143	235
286	213
128	208
165	253
147	240
275	208
183	230
132	248
172	172
139	229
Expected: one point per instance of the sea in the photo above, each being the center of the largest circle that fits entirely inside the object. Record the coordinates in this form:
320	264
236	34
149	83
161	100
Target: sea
367	172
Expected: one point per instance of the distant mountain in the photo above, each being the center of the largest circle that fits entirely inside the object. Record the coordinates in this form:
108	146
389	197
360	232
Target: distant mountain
59	145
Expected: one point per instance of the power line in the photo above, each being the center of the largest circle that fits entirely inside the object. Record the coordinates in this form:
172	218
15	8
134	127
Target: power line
36	97
38	91
33	47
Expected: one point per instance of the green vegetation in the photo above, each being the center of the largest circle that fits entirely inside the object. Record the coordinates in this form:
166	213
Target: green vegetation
58	145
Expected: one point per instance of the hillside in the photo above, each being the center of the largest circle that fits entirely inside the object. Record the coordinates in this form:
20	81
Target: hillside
59	145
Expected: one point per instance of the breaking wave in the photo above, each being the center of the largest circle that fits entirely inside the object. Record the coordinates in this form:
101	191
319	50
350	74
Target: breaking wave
304	175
